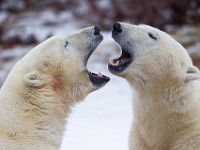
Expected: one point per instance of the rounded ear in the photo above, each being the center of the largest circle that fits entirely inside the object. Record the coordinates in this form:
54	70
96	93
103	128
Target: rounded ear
33	79
192	73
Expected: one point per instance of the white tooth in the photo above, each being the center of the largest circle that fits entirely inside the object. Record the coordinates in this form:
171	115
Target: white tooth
117	63
110	61
100	74
114	64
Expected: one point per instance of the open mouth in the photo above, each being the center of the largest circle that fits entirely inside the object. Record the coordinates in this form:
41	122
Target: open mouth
97	79
120	64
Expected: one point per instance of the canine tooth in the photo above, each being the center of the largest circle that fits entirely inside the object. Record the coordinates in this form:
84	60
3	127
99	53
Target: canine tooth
100	74
110	61
117	63
113	63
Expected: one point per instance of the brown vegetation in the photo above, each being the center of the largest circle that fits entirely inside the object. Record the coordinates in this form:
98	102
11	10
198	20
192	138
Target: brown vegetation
158	13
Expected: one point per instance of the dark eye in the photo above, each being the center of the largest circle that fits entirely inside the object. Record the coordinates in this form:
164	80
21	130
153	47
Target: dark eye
66	43
152	36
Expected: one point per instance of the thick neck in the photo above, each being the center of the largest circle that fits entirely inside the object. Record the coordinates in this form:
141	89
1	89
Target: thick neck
34	116
170	109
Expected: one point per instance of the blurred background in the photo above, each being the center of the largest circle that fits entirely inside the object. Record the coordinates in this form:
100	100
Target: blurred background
25	23
29	22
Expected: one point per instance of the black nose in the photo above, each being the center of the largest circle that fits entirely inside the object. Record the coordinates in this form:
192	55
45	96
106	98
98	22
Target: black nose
96	30
116	28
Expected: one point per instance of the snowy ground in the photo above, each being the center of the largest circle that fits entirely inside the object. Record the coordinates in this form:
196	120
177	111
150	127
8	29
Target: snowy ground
103	119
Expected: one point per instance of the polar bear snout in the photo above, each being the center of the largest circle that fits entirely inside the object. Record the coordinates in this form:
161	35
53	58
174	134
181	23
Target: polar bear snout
116	28
94	38
119	64
96	30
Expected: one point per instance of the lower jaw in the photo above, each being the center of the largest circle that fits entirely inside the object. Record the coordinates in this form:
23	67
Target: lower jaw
118	69
97	80
114	69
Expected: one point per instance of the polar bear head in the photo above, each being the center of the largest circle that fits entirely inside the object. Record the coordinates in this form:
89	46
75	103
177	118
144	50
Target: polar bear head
59	65
150	57
43	86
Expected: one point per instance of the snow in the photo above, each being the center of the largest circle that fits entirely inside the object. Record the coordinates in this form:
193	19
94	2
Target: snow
3	16
103	119
47	23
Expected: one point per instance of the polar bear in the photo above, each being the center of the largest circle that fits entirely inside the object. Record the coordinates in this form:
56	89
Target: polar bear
42	87
167	104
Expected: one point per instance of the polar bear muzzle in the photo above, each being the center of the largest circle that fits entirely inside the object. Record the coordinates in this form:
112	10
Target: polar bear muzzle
96	79
121	63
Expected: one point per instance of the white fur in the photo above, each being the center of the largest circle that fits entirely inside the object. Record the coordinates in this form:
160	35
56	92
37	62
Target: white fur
167	104
40	90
